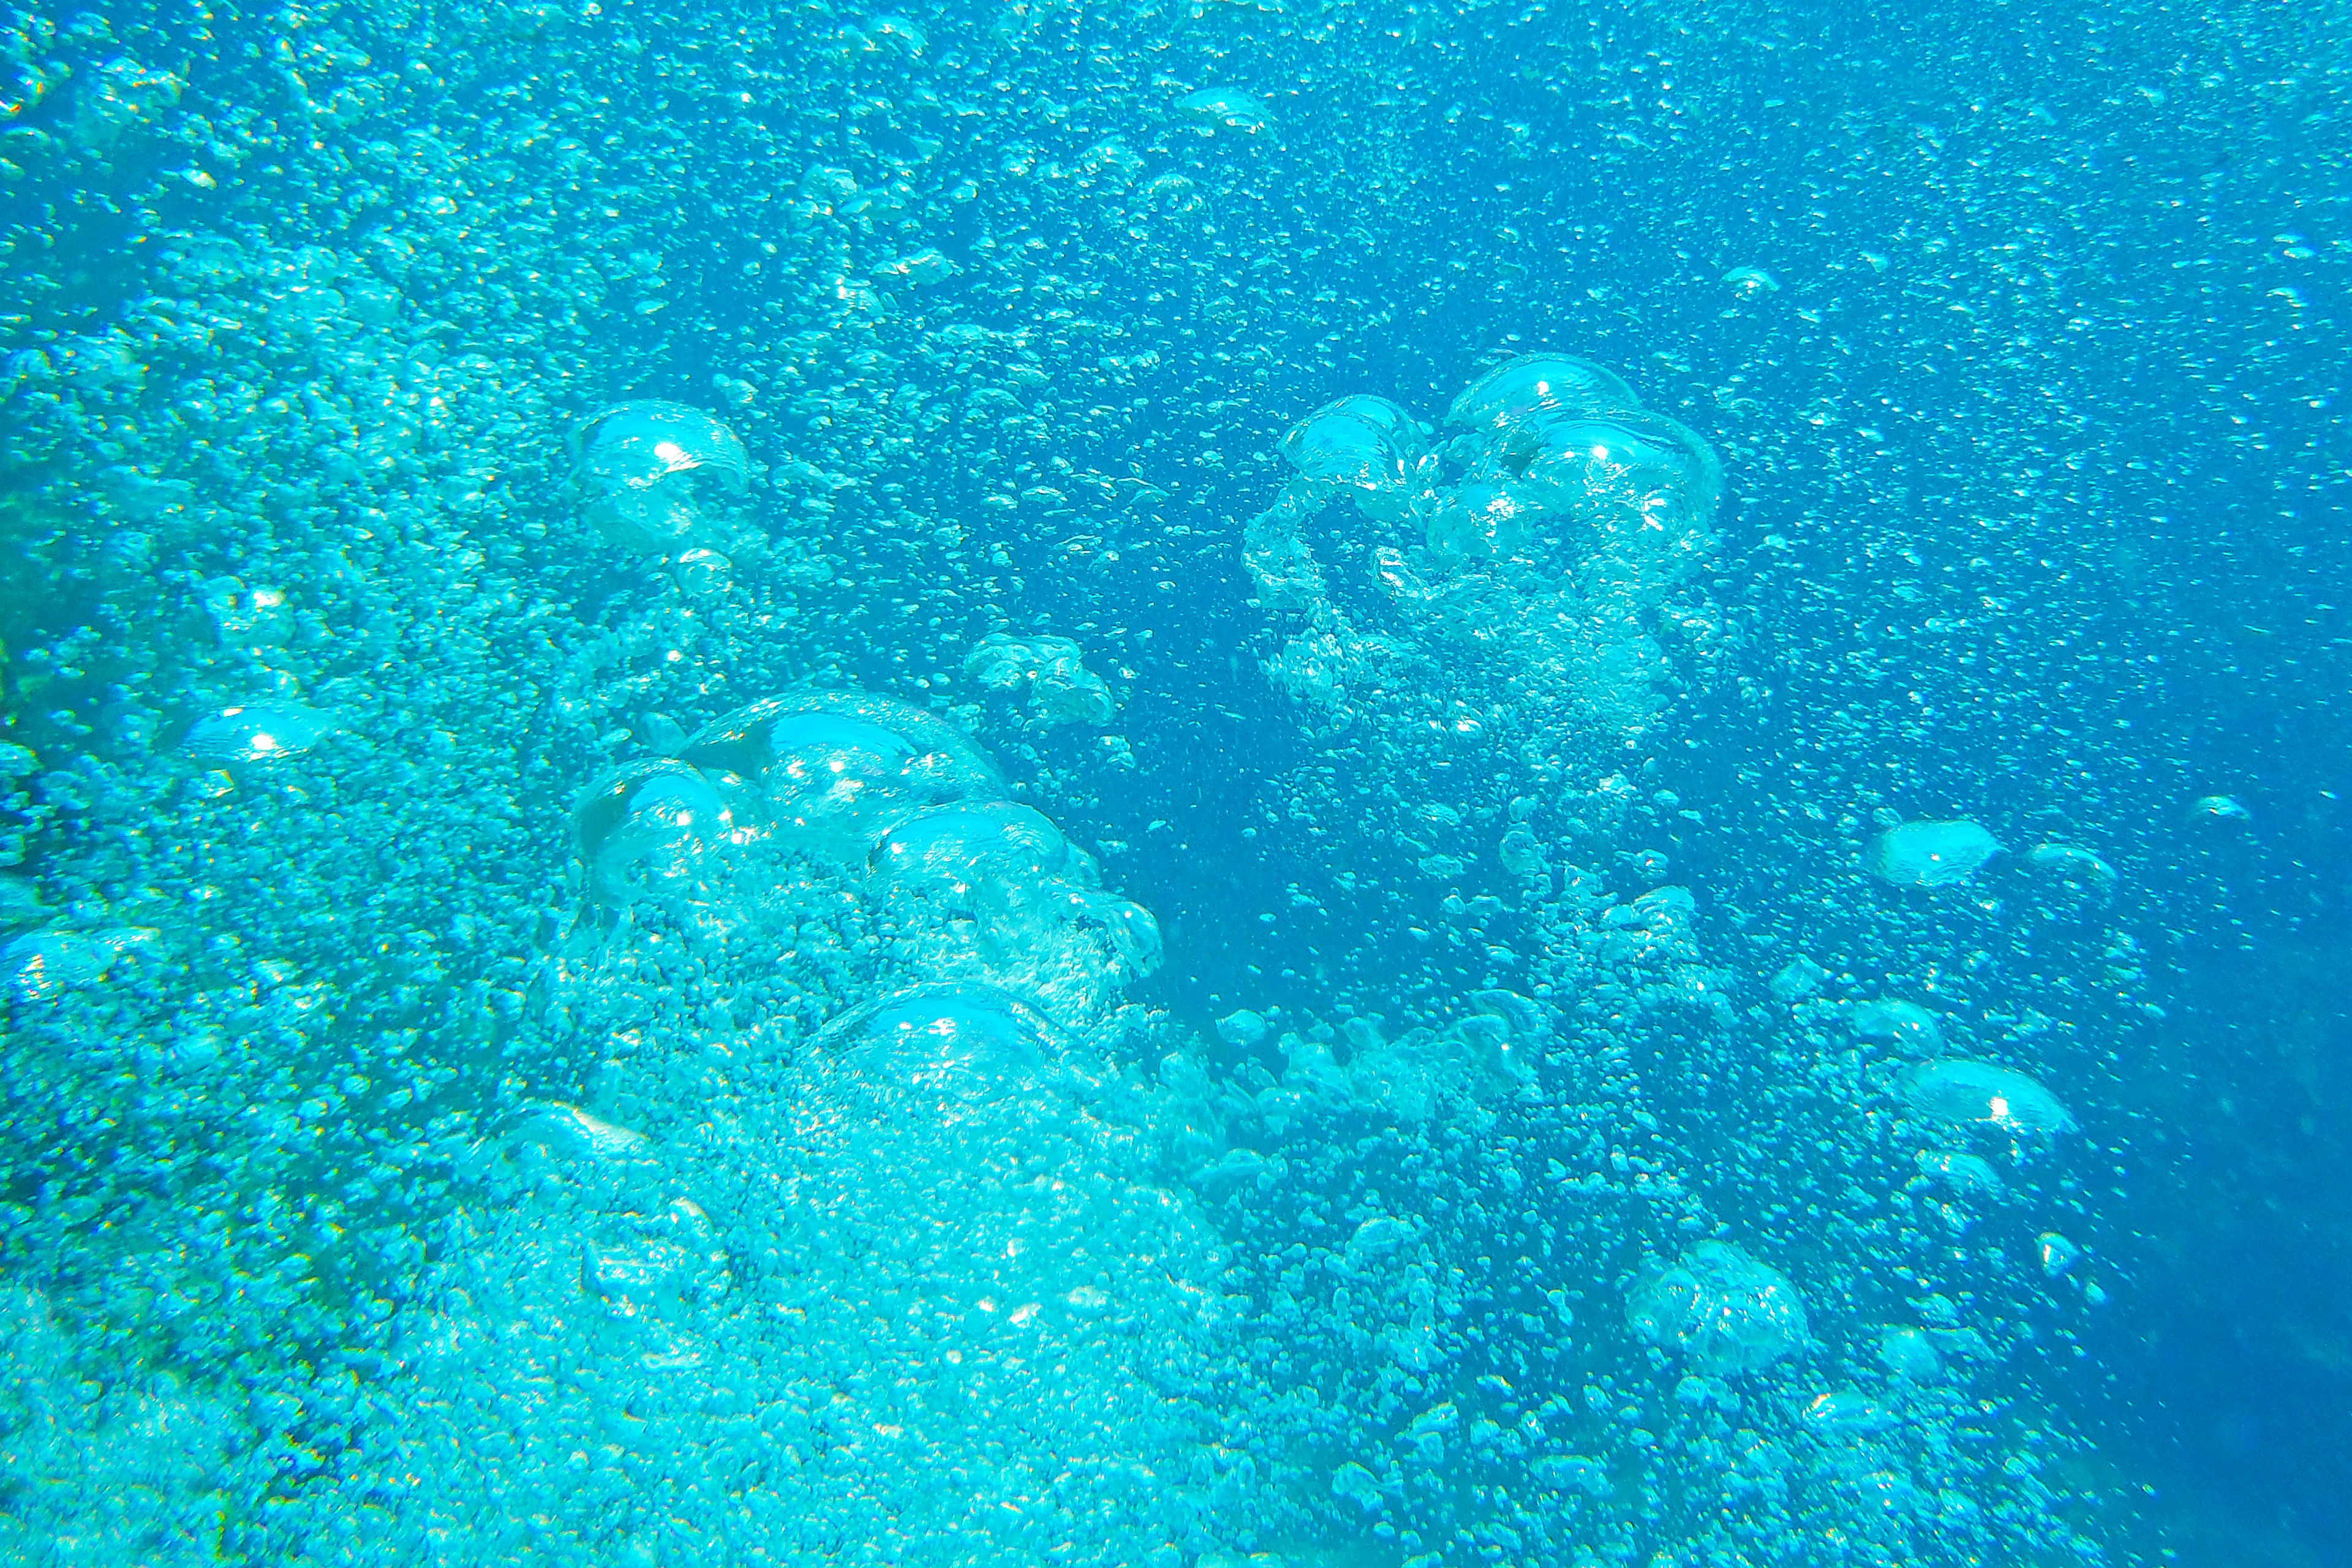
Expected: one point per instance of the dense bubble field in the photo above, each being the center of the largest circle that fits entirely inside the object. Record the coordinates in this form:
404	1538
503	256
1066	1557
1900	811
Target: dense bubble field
1328	783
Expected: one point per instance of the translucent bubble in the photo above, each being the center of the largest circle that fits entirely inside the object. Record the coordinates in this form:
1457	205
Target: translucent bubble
1931	853
1367	442
1907	1027
42	963
1223	106
1572	1472
1960	1092
1846	1413
1909	1354
649	830
922	268
964	848
119	95
1535	388
1798	979
1357	1484
2057	1254
901	33
1722	1308
2073	864
1751	282
578	1136
1638	463
702	573
832	770
1243	1028
637	463
1961	1173
258	733
968	1042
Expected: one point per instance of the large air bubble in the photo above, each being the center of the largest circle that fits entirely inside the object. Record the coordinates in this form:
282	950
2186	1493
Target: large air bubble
638	464
43	964
966	851
258	733
1641	471
1963	1093
651	829
830	772
1364	442
1932	854
1535	388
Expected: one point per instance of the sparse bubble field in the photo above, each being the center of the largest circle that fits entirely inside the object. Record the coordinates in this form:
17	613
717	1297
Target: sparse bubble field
1218	783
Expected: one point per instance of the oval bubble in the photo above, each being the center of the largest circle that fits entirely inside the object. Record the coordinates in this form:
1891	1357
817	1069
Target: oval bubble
1909	1354
1361	441
50	962
1931	853
964	846
1960	1092
1535	388
258	733
645	442
637	462
2073	864
1646	462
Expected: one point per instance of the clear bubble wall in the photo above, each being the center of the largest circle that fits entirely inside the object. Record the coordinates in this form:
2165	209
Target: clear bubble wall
1183	787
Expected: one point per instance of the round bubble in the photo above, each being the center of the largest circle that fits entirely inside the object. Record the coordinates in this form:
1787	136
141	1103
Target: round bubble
638	462
1971	1093
1359	441
1535	388
1643	462
1722	1308
258	733
649	829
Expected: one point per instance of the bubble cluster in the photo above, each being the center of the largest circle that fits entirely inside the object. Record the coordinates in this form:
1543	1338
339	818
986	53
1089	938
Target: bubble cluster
1530	553
574	943
1722	1309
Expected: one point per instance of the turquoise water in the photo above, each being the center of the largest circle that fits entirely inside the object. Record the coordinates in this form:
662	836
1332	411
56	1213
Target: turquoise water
1282	783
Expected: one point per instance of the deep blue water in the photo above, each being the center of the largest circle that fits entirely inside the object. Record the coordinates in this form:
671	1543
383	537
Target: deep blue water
345	627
